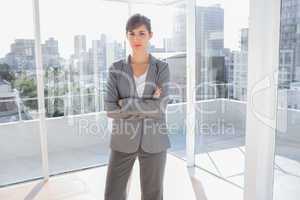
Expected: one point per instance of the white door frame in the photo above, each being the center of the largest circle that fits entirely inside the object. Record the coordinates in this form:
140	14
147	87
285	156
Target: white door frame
191	81
40	89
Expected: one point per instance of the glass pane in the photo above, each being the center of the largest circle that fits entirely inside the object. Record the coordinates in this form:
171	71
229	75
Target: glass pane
20	155
79	43
287	159
221	78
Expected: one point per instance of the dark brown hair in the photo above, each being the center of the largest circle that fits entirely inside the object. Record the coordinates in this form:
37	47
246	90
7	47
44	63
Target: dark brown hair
137	20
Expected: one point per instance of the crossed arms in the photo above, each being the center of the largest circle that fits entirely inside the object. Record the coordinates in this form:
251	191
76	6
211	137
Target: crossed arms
134	107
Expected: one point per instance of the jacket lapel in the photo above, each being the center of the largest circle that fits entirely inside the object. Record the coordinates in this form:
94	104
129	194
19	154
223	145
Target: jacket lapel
150	77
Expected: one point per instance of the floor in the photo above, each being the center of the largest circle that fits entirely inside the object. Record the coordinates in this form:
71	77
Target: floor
89	185
221	169
181	183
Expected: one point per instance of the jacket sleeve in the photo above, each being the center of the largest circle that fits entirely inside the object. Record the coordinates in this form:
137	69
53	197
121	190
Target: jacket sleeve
151	107
111	98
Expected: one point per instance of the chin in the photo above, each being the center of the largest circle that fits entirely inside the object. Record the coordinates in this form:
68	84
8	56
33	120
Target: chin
139	49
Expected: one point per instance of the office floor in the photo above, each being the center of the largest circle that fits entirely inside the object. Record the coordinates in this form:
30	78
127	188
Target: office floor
180	183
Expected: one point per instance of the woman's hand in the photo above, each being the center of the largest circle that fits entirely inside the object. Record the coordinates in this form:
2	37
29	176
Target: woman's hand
157	92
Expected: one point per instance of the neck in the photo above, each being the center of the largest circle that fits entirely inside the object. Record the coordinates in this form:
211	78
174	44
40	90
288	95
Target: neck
140	57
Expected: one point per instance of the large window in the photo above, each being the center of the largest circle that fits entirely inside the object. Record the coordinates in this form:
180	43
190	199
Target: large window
77	49
79	43
221	87
20	155
81	39
287	159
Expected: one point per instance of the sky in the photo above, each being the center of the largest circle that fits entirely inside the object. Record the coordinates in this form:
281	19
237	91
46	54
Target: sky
62	19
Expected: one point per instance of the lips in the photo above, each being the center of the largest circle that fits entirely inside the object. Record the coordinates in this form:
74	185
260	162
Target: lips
137	45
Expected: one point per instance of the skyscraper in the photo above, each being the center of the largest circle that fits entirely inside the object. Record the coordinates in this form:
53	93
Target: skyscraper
210	69
289	43
210	63
79	45
50	53
21	55
240	68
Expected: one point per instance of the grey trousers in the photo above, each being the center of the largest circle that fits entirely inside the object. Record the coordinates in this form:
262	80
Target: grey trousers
152	167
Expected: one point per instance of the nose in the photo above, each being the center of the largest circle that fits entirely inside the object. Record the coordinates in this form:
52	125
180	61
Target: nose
136	38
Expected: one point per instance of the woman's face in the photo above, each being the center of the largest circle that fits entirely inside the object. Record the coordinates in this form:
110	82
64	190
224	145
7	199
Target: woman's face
139	38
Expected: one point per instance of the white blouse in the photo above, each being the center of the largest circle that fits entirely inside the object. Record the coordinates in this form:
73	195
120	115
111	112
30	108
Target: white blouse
140	83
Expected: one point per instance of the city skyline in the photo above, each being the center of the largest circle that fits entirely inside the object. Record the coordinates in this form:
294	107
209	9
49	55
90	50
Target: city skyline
55	26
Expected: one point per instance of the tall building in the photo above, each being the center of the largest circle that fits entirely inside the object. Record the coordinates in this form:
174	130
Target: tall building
119	50
289	43
79	45
240	68
54	76
244	39
210	70
178	40
99	59
21	55
51	57
23	47
240	75
98	63
210	63
229	71
90	68
177	65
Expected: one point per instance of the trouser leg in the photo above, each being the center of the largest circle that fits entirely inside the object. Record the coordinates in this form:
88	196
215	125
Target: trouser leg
118	172
152	167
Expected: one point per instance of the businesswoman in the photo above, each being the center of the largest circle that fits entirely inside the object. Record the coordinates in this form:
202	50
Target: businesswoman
136	98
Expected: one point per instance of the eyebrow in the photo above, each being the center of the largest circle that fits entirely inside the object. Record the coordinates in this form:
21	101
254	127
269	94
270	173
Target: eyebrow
139	31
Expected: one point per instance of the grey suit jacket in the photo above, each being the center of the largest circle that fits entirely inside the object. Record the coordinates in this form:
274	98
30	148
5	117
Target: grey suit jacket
137	121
